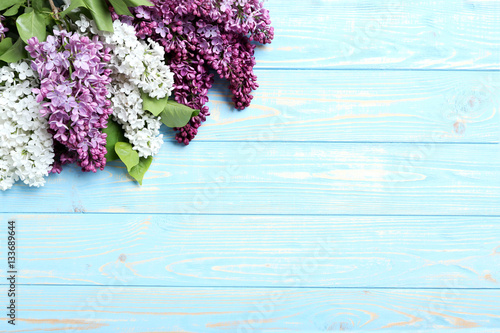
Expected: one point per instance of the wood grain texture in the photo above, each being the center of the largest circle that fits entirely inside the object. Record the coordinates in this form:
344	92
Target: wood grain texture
150	309
360	191
360	106
412	34
284	178
258	251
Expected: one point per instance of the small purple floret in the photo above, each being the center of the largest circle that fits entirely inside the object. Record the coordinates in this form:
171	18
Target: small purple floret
3	29
73	92
200	35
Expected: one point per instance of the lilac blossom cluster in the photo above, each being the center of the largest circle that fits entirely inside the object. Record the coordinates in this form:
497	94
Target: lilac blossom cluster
136	66
200	35
57	98
73	95
3	29
26	149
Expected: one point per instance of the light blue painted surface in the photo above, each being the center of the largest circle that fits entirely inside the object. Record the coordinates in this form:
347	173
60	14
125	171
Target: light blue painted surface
260	250
360	191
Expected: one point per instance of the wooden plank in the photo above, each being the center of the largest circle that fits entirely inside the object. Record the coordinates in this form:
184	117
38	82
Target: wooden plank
361	106
153	309
257	251
284	178
416	34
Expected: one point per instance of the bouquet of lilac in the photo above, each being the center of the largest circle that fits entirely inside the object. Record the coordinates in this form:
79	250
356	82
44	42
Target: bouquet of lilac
87	81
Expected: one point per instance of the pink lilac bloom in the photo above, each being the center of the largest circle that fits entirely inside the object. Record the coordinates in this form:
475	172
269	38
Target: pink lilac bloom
3	29
200	36
73	93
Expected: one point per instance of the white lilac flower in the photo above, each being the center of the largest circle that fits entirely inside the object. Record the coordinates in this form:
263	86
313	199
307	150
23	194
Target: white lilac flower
26	147
141	128
137	66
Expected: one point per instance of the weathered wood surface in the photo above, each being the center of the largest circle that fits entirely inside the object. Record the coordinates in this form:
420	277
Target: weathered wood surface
258	250
382	34
366	171
361	106
285	178
153	309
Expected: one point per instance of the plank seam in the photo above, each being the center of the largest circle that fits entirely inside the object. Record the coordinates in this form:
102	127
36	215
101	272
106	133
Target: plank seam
375	69
351	142
245	287
235	214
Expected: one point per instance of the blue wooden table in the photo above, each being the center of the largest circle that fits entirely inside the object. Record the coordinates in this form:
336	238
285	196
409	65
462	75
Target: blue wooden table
360	191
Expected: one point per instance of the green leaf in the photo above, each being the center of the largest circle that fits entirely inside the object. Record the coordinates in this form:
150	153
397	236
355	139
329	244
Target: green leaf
4	4
177	115
15	53
12	10
120	7
5	44
50	21
136	3
140	169
37	5
115	134
127	154
136	167
153	105
31	24
100	13
74	5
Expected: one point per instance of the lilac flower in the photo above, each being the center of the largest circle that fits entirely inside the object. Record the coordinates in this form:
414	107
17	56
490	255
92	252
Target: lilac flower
200	35
73	91
142	13
161	30
81	62
3	29
59	95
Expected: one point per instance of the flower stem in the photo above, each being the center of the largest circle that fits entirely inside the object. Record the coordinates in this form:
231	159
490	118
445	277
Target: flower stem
54	9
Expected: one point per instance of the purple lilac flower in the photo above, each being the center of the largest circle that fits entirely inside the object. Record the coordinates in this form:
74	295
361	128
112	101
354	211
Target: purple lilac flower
73	75
3	29
200	35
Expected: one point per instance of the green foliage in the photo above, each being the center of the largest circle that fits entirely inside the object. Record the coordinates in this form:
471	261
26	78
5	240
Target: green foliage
35	20
136	3
31	23
4	4
98	10
74	5
12	10
100	13
172	113
127	154
153	105
177	115
140	169
12	52
121	7
136	167
5	44
37	17
38	5
115	134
